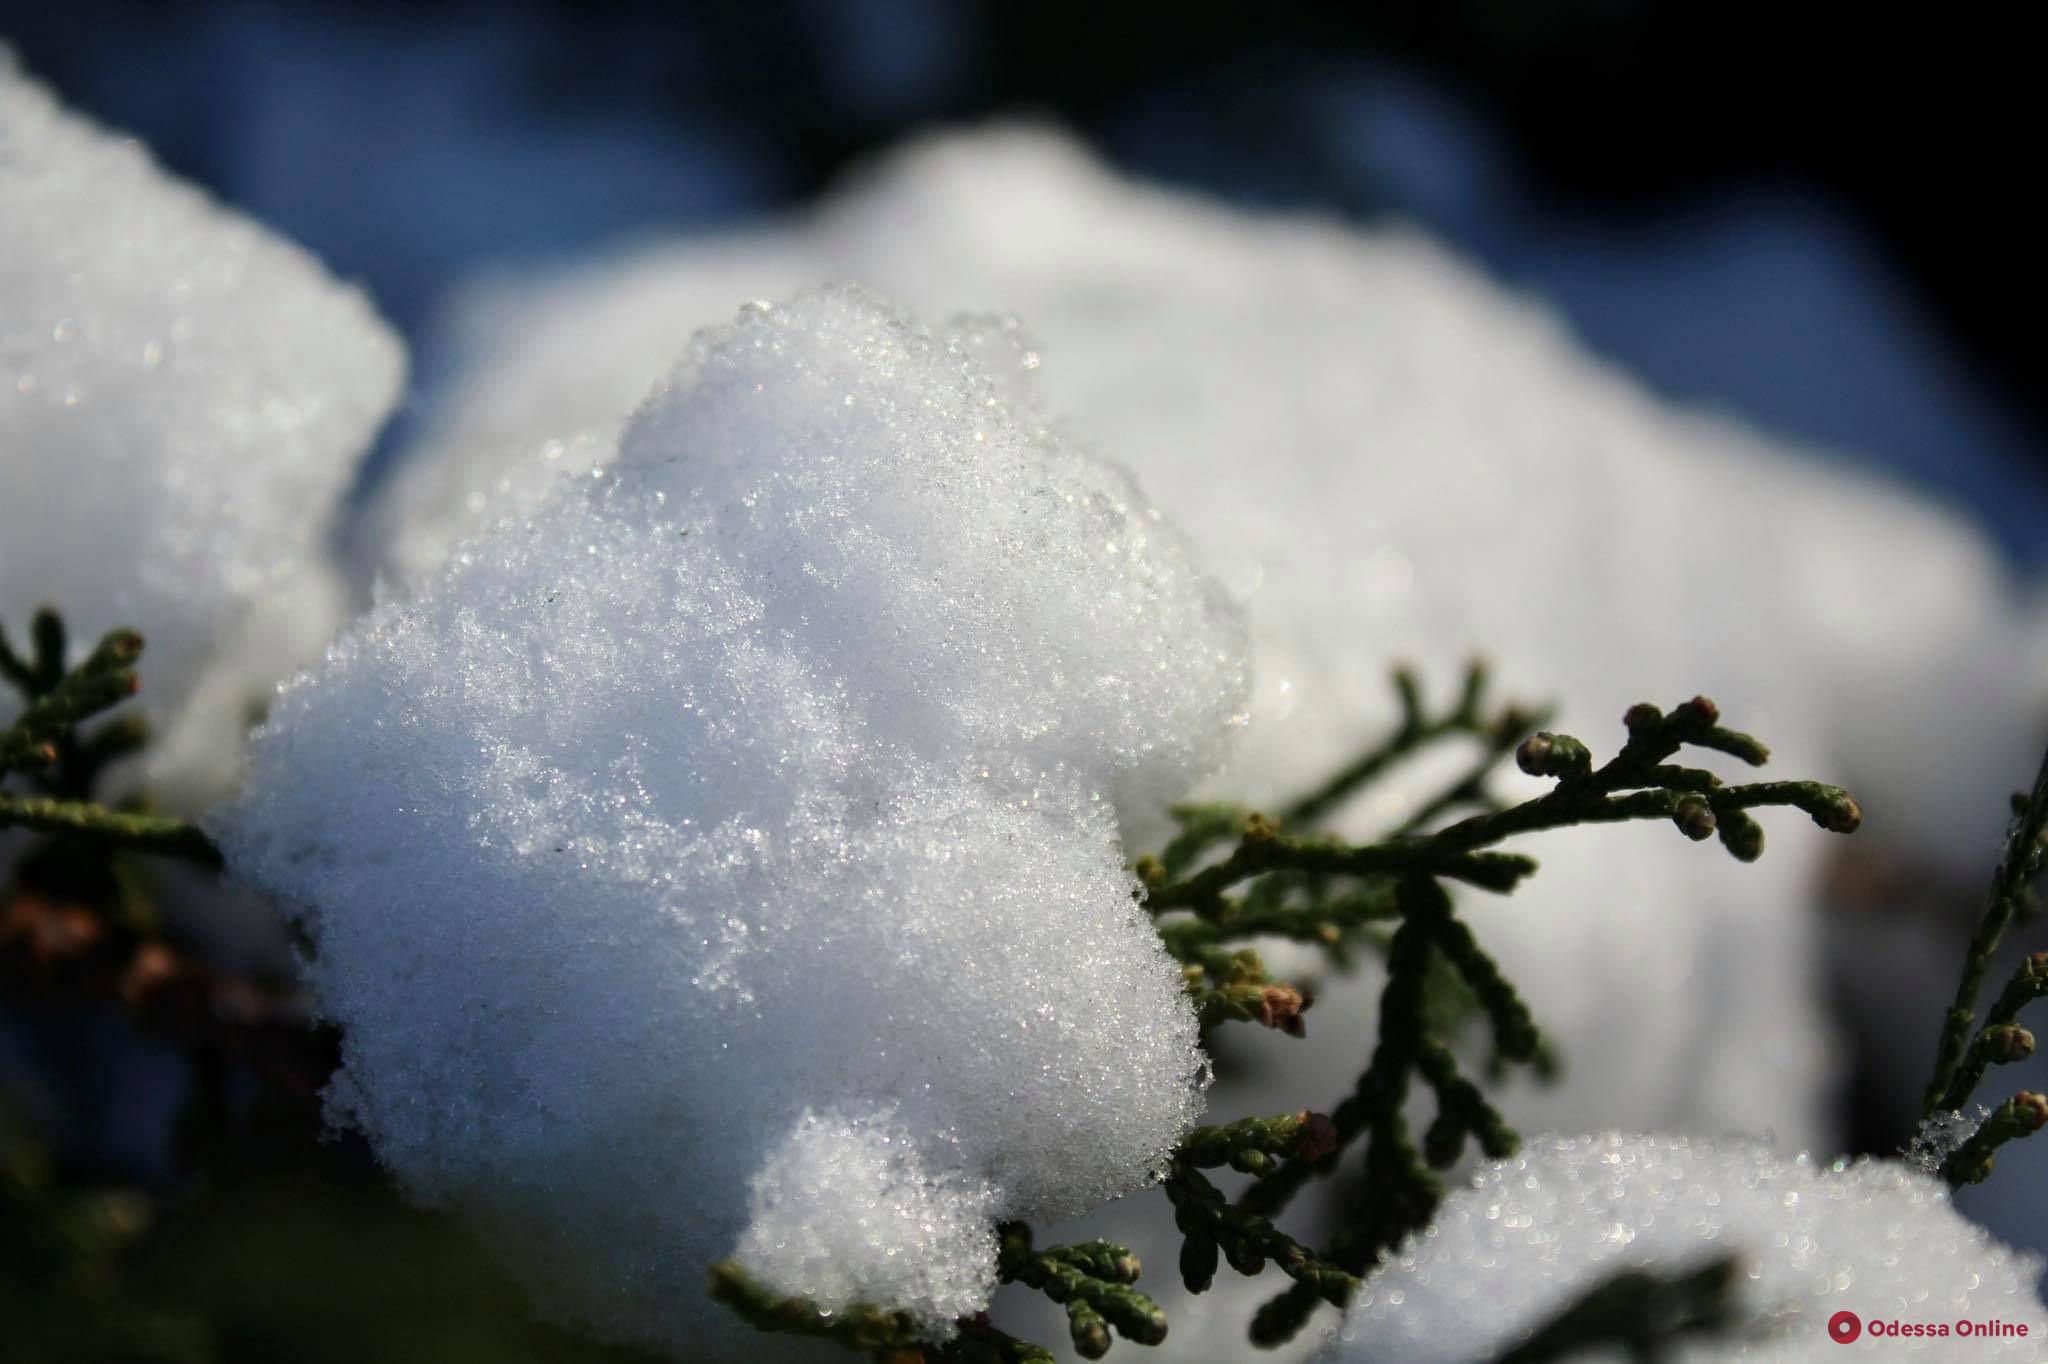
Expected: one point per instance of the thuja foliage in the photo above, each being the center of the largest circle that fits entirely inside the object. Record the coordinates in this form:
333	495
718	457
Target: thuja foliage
1967	1050
1231	875
46	745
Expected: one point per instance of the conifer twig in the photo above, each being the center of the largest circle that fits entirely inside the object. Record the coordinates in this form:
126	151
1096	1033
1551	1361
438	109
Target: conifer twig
43	741
868	1330
2020	863
2024	1114
1417	729
1092	1280
147	833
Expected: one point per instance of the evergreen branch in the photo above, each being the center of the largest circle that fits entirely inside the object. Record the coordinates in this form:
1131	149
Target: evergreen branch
1263	851
1416	730
1317	888
1469	788
1202	827
105	679
1397	1198
1211	1223
1251	1145
979	1342
1325	921
1997	1044
2019	864
2024	1114
867	1330
158	834
1280	1318
47	637
1091	1280
1630	786
1395	1178
1234	986
1461	1111
121	737
1638	1310
1515	1036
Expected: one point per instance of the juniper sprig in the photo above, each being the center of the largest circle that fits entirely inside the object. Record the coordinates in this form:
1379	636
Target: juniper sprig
1961	1059
1231	875
44	743
1313	887
1092	1280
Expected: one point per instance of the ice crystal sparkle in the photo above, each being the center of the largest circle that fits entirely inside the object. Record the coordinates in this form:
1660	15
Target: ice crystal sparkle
723	854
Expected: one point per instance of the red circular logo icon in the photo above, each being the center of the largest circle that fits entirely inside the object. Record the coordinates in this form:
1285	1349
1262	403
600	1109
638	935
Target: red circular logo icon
1844	1327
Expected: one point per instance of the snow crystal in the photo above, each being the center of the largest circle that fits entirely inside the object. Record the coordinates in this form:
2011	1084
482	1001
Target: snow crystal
183	399
845	1213
1531	1234
1942	1134
768	776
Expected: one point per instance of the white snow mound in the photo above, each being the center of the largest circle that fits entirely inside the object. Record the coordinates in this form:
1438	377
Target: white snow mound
184	398
724	853
1532	1234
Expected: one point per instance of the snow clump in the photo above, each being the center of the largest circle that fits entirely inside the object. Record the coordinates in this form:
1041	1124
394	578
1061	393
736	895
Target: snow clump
724	853
1385	456
1534	1233
184	398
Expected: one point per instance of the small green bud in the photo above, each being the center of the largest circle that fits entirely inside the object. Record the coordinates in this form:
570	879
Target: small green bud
1742	836
1694	819
2008	1042
1842	816
1318	1135
1089	1330
1281	1006
1553	755
1641	717
1698	711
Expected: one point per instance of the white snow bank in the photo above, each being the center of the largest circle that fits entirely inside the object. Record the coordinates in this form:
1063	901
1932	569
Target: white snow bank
1532	1234
183	401
768	776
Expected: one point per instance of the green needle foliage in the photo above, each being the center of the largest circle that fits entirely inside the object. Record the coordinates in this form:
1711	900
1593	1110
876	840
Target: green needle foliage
44	744
74	1253
1093	1280
1961	1058
1232	874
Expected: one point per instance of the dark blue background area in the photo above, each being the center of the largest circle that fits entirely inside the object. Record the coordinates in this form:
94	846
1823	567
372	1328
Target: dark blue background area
1815	227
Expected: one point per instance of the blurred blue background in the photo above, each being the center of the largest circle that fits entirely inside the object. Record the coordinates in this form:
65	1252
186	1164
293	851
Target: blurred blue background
1812	222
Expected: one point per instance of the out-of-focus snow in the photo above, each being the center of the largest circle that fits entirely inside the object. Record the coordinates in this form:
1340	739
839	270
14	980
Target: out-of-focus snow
723	852
1533	1233
184	399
